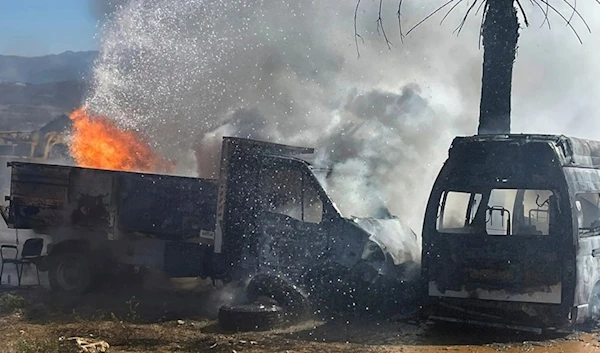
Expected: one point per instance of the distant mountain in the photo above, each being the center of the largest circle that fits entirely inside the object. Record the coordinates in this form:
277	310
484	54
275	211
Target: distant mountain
27	107
67	66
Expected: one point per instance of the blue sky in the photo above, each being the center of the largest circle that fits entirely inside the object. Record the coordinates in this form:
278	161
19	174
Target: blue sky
39	27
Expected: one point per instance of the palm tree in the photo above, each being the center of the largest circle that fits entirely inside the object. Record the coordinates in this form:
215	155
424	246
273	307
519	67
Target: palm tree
499	34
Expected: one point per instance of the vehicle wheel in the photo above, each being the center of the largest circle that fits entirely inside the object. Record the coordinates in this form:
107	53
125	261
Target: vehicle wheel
287	295
251	317
69	273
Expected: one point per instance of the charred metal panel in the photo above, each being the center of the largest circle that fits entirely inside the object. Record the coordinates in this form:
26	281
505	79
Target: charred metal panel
570	151
38	194
49	196
497	268
237	208
583	180
186	259
171	208
90	198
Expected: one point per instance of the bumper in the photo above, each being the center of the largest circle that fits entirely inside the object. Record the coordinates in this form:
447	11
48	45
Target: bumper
530	317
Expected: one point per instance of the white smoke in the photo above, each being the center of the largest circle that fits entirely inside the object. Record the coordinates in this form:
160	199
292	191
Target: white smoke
185	73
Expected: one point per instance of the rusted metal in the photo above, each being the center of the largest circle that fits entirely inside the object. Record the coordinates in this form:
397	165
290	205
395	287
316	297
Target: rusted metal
50	197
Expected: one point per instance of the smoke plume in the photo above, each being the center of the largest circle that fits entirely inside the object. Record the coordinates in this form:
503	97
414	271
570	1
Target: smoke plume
186	73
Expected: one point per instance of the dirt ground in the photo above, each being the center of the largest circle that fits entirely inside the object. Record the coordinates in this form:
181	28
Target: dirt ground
32	320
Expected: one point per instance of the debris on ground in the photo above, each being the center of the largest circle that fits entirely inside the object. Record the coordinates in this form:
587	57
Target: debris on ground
82	345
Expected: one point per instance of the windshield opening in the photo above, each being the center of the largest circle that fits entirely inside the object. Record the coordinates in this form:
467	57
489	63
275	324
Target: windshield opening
499	212
352	195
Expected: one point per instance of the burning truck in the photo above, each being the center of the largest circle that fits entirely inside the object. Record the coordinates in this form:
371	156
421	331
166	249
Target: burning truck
266	217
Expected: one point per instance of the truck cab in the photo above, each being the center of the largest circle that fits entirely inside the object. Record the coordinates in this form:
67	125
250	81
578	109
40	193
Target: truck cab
274	215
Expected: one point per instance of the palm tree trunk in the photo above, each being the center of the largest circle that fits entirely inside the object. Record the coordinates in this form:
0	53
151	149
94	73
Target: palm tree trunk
500	33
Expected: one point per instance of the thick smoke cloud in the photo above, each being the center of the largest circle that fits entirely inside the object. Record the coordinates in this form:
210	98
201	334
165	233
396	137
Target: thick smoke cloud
103	10
185	73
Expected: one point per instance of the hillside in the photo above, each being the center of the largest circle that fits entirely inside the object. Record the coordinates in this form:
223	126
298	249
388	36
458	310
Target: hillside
67	66
26	107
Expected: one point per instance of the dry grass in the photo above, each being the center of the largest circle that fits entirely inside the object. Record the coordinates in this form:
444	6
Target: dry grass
33	320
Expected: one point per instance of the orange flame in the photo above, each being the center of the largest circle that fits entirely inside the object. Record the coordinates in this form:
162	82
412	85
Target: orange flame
97	142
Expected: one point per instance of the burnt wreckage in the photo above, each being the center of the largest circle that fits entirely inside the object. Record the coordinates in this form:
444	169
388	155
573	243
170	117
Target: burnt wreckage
511	235
266	214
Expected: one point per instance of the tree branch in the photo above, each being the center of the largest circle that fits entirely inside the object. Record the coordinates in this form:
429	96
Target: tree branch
399	13
564	18
356	35
431	15
380	25
545	12
573	13
464	20
449	11
578	14
523	12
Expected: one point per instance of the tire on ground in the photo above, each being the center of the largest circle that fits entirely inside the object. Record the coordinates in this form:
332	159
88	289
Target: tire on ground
251	317
69	273
287	295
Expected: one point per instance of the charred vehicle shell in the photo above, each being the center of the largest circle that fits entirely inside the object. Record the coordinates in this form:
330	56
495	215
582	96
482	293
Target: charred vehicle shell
511	236
267	213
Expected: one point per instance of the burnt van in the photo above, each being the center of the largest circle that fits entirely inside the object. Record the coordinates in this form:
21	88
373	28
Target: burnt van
511	234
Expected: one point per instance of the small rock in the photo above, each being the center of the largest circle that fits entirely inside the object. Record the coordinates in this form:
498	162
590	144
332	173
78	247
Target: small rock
180	322
213	345
253	342
243	342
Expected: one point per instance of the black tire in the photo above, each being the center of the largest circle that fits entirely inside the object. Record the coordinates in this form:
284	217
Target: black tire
69	273
286	294
251	317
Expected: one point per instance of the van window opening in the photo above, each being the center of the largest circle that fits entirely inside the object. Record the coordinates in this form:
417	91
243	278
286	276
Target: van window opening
498	212
288	191
587	209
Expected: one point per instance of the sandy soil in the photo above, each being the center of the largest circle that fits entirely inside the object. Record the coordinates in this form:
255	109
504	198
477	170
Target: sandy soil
32	320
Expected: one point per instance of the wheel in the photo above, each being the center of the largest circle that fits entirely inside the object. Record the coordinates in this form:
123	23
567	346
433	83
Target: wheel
287	295
251	317
69	273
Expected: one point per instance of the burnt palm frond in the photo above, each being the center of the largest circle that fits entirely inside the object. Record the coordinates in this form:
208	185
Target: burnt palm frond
399	13
431	15
544	6
356	35
575	12
544	11
380	26
449	11
523	12
464	20
564	18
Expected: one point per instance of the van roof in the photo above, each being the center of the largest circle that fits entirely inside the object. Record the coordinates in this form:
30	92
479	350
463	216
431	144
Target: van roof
571	151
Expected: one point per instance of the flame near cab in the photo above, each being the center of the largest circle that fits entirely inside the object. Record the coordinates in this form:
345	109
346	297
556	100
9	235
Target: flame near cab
97	142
